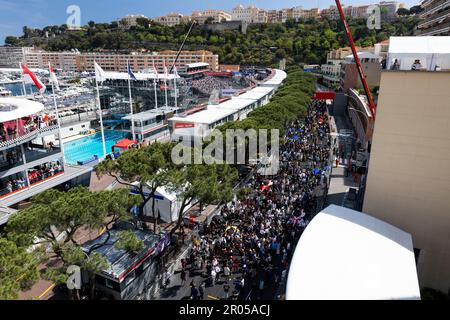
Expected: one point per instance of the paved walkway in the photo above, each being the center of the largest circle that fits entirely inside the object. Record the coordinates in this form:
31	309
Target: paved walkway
340	183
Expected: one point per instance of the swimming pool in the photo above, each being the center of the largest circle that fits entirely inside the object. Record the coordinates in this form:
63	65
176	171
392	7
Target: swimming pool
85	148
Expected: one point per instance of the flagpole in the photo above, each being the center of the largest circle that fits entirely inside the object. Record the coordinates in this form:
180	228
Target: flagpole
101	118
154	84
175	87
61	146
165	86
23	80
131	101
156	96
166	75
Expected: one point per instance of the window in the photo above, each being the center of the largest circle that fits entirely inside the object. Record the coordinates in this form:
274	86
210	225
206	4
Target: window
71	129
83	126
129	278
112	285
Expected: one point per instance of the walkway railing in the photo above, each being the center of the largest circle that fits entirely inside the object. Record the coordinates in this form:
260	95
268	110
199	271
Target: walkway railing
26	137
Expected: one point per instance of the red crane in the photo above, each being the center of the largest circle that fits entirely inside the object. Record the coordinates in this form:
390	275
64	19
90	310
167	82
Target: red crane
358	63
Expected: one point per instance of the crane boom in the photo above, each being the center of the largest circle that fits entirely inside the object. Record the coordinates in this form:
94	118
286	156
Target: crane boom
358	63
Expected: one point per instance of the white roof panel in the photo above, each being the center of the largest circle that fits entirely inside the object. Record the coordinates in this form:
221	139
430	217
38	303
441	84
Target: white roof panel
197	64
207	116
346	254
16	108
432	44
139	75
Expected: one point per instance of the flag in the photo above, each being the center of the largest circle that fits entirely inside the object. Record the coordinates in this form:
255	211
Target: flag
100	75
130	72
30	77
53	77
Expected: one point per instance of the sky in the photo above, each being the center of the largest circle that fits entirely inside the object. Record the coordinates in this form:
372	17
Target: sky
14	14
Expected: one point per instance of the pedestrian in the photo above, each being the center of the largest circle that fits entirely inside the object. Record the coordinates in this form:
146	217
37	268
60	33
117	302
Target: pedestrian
213	276
201	290
226	290
183	277
194	292
261	288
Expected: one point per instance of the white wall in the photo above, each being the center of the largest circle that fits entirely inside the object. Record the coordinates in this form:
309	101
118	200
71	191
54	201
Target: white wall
74	129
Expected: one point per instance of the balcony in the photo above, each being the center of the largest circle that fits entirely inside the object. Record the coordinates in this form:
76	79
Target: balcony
38	186
434	7
436	30
9	141
435	18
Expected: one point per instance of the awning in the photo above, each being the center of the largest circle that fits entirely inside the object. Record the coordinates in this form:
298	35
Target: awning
124	144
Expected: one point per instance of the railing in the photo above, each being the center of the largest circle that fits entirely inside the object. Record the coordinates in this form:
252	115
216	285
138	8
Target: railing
26	137
436	29
435	6
434	18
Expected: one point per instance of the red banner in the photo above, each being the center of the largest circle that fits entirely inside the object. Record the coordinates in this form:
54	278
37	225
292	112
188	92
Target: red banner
181	125
324	95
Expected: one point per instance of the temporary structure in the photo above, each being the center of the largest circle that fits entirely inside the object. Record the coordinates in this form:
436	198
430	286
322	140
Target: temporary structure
431	51
346	254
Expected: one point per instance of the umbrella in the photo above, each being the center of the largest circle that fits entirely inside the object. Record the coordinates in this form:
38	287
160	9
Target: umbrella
295	138
316	171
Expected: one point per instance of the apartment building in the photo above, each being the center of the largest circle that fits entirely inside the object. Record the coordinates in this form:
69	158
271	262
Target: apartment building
435	18
11	57
173	19
409	170
371	65
250	14
217	16
390	10
110	61
131	20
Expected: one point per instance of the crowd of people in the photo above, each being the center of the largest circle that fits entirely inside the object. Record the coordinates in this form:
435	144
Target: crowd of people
13	129
206	85
35	175
251	242
44	171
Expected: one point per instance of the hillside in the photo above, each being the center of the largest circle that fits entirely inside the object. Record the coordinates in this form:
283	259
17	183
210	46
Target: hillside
265	44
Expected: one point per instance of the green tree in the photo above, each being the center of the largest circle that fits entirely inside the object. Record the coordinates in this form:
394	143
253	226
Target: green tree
129	241
144	170
18	269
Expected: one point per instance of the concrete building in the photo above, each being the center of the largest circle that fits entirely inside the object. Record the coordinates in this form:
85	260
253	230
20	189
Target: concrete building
216	16
173	19
409	170
371	65
313	13
331	72
11	57
131	20
390	10
110	61
250	14
436	18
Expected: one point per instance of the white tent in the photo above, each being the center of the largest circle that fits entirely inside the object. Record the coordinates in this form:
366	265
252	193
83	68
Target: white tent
431	51
166	204
346	254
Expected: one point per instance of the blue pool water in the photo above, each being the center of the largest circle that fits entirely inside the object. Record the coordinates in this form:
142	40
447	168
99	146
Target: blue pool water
85	148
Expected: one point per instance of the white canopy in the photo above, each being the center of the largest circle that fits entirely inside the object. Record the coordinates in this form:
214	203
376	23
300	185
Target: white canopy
16	108
346	254
431	51
139	76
